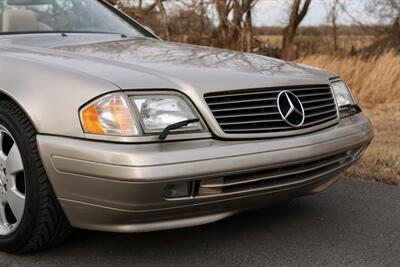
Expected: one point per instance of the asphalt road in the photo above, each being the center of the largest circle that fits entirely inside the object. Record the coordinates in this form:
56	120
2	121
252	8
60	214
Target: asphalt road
354	223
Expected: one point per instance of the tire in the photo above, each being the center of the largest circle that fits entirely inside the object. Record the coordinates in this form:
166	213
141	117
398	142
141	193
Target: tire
42	223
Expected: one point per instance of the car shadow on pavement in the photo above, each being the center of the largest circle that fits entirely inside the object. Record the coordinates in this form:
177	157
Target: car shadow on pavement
353	223
187	243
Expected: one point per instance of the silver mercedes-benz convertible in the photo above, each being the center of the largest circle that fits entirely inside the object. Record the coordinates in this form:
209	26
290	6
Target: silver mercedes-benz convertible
104	126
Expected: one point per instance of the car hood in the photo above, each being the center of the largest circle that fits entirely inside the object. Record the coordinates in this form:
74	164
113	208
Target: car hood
147	63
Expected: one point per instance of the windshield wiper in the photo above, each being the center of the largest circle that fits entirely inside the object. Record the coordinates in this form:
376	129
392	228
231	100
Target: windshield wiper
175	126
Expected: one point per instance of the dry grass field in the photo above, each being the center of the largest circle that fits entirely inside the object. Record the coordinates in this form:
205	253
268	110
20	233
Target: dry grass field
376	86
382	160
321	44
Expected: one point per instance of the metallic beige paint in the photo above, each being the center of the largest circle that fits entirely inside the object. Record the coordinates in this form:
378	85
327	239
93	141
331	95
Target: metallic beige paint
115	184
72	70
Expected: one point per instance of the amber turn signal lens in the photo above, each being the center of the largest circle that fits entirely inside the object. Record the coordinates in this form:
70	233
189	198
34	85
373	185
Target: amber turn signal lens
91	120
109	115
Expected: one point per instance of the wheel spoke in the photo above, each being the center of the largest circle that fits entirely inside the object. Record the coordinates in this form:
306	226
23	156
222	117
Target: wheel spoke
1	141
14	161
16	200
3	218
2	155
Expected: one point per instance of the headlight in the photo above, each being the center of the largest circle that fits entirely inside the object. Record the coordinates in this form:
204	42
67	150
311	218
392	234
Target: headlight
117	114
156	112
109	115
342	94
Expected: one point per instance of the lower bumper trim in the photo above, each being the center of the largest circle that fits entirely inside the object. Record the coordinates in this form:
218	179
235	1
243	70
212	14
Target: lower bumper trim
123	224
94	217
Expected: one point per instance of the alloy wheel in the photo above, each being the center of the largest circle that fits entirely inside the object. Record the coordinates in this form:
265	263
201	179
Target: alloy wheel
12	183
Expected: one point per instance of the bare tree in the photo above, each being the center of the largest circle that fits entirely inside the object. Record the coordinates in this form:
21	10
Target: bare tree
235	22
190	21
164	18
334	9
248	33
387	10
141	10
138	9
388	37
298	12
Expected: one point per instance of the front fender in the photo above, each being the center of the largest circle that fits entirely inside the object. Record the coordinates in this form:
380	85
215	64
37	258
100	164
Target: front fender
50	95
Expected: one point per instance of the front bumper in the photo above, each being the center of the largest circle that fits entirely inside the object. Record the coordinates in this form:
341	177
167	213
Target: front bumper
118	187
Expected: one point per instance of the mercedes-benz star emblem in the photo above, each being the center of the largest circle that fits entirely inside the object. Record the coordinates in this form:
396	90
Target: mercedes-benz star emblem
291	109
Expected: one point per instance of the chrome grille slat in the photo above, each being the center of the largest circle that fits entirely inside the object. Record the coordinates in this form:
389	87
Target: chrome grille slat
258	129
320	113
320	106
246	115
256	111
310	95
239	94
247	122
316	100
319	121
243	108
240	101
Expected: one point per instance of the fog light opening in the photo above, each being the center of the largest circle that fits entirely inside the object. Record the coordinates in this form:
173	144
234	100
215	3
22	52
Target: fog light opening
178	190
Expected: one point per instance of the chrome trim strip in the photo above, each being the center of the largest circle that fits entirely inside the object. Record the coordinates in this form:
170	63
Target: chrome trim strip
150	138
264	92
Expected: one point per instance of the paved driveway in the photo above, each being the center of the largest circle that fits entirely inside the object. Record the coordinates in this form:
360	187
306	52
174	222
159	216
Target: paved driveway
354	223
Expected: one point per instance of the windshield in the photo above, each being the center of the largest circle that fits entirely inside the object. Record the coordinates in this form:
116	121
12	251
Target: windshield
89	16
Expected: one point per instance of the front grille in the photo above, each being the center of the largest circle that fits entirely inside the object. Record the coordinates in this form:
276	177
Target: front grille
256	111
277	177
